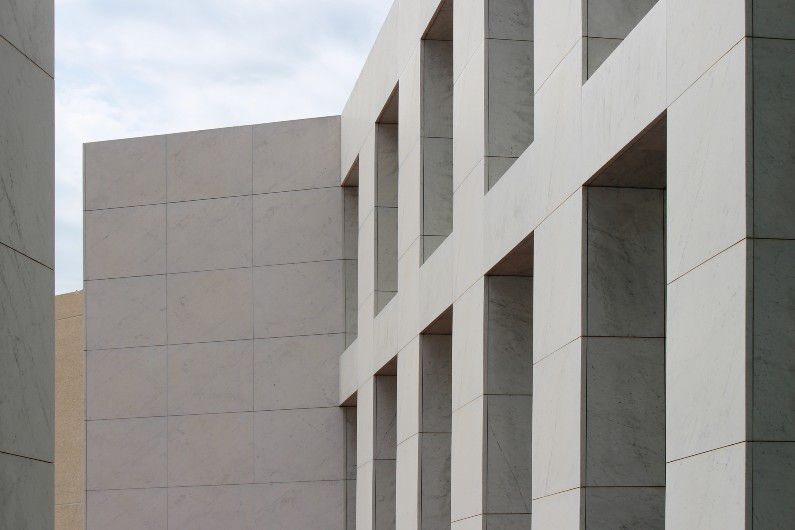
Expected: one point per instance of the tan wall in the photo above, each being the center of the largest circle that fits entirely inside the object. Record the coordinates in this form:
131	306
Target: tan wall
69	413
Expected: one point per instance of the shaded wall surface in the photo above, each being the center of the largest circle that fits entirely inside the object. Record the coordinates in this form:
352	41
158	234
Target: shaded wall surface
70	450
214	322
26	264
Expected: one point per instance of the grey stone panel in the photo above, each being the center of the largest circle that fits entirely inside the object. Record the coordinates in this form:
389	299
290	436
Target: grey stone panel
626	262
126	383
128	453
599	49
132	509
384	495
27	364
625	416
615	18
625	508
297	372
385	432
437	89
350	503
437	186
435	481
28	26
773	400
773	488
125	173
508	482
773	136
210	377
430	244
229	507
280	155
350	444
122	242
351	301
26	493
298	226
350	197
26	152
125	312
773	19
510	19
509	335
386	179
496	167
209	164
514	521
299	299
510	97
437	383
209	234
315	439
386	249
210	306
300	505
211	449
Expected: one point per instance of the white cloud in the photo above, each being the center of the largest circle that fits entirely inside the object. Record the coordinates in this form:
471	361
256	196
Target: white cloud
134	68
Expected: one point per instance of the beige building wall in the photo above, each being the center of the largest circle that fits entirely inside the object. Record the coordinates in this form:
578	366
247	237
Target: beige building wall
69	413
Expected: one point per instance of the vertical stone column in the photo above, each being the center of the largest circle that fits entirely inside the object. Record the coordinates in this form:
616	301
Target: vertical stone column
730	437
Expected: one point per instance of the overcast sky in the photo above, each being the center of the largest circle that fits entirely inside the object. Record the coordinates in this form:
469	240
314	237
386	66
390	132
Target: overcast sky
128	68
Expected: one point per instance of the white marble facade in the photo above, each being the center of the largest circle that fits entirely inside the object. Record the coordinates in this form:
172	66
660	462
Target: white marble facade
537	274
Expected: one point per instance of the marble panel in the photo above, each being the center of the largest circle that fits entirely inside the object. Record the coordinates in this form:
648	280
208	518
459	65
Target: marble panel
773	136
467	460
348	372
773	19
437	186
626	262
125	172
409	30
210	306
26	493
409	398
299	299
210	377
707	188
296	372
129	453
625	412
212	507
773	488
508	454
122	242
557	26
773	398
28	26
26	152
314	439
436	283
408	319
366	260
384	503
707	356
410	213
510	19
132	509
437	89
436	374
210	449
558	422
561	511
27	362
407	485
209	164
410	111
468	346
430	244
209	234
298	226
366	160
125	312
467	259
469	32
709	490
280	155
385	432
470	523
435	481
300	505
385	333
558	278
699	34
509	335
510	97
616	18
469	113
126	383
625	508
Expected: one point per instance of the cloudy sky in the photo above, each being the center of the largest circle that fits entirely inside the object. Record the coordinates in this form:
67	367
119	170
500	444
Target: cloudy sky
139	67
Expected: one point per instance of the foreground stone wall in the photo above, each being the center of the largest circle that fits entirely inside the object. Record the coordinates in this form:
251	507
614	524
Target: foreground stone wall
26	264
